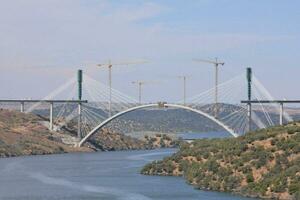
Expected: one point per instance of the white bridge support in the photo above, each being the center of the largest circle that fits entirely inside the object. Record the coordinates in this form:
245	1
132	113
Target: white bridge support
162	105
40	101
281	103
22	107
249	115
281	114
79	135
51	117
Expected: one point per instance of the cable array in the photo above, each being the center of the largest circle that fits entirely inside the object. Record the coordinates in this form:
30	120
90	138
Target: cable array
228	110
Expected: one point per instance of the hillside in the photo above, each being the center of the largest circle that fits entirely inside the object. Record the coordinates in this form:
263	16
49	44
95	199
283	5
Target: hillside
23	134
264	163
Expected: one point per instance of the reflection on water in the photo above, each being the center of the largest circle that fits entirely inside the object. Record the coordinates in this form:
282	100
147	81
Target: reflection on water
90	176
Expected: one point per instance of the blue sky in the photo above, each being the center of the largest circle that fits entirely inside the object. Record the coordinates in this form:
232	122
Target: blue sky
42	43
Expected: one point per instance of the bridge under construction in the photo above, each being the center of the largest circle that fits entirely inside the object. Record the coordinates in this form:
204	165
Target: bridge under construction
102	104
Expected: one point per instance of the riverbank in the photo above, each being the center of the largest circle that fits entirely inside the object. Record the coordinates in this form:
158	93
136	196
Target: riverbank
264	164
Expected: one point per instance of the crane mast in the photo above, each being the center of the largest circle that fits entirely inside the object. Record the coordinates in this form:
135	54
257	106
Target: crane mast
140	87
110	64
216	63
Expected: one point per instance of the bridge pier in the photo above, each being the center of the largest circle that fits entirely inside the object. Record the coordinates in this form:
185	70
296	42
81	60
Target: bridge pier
51	117
22	106
249	114
281	114
79	122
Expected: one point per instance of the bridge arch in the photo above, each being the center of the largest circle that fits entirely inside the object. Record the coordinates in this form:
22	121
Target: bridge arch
165	105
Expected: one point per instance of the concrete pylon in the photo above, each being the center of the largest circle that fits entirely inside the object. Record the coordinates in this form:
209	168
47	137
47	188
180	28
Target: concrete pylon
79	81
249	107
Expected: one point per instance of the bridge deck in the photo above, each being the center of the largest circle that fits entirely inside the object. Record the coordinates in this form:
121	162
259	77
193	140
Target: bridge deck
271	101
40	100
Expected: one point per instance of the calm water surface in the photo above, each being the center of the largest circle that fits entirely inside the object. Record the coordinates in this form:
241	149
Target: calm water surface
91	176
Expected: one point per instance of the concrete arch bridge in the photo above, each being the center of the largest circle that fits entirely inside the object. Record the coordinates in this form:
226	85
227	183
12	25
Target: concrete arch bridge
159	105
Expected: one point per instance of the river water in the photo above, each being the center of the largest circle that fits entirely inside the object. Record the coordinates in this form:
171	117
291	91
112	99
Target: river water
94	176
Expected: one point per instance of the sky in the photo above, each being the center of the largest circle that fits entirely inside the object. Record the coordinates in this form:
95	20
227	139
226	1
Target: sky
43	43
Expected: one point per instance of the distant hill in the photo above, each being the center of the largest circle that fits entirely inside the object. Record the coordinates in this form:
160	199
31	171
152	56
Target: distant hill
264	163
170	120
176	120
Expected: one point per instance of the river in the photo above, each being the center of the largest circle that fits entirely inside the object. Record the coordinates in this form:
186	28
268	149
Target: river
94	176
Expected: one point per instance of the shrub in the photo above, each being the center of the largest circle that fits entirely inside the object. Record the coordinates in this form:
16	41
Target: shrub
294	187
249	177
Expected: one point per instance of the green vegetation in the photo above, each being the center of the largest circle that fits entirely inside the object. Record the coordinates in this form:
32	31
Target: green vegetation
110	141
264	163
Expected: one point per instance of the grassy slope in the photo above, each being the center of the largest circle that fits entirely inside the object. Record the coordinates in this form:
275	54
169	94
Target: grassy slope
265	163
22	134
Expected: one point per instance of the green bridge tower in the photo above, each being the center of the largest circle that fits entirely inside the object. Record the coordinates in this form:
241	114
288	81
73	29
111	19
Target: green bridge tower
79	82
249	81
